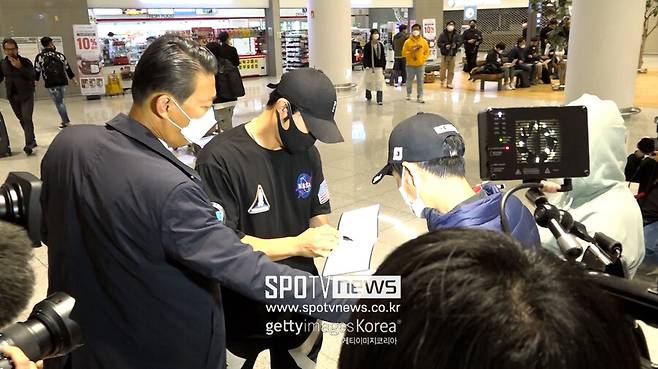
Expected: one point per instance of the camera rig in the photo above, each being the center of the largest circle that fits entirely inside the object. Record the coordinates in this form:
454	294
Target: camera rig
533	144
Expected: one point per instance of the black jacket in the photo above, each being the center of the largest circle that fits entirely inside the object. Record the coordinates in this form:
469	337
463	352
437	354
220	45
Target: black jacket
494	62
135	240
369	55
532	54
519	54
225	51
543	36
19	82
643	171
449	38
57	79
472	34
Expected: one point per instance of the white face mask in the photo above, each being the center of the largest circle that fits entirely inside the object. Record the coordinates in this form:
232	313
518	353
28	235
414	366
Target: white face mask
451	28
416	33
375	37
196	128
417	206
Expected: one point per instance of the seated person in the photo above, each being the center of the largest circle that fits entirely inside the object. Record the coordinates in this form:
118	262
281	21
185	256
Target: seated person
541	63
557	64
519	59
426	157
602	201
494	64
477	299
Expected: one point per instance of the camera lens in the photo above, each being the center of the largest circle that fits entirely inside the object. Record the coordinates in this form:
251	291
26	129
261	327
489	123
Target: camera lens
10	208
19	203
48	332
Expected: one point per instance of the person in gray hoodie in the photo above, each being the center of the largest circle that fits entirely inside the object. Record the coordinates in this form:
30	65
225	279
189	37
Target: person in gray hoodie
602	201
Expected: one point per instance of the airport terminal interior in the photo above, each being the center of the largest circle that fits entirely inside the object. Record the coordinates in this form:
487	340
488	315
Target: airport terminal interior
348	166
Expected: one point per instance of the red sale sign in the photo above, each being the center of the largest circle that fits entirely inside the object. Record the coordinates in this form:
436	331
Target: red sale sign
429	28
89	59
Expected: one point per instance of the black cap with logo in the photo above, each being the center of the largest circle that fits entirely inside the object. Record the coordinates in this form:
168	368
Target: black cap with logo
313	93
417	139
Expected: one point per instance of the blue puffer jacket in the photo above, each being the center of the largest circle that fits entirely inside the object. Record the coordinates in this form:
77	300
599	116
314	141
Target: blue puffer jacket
484	214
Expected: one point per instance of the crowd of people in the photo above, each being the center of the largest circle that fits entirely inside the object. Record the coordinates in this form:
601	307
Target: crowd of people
523	65
20	76
168	264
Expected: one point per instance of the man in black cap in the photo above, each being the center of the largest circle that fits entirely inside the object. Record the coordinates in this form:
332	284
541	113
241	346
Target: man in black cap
426	158
265	180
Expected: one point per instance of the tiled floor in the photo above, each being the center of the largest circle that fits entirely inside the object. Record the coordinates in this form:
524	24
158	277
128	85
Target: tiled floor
348	166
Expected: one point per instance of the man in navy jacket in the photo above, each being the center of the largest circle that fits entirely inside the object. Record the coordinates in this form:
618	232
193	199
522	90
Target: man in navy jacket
426	157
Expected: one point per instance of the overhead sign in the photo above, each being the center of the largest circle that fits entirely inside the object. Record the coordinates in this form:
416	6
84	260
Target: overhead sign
470	13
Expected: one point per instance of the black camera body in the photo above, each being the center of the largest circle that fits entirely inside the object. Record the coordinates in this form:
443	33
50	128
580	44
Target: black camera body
20	203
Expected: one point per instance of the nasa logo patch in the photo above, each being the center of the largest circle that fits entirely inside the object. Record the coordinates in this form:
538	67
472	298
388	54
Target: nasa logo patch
304	185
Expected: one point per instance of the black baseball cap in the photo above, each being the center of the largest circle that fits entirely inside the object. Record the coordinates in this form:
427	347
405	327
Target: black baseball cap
417	139
313	93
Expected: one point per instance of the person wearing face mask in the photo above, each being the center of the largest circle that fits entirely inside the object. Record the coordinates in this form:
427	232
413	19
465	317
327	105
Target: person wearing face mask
426	158
266	177
494	64
416	50
449	45
472	38
374	63
519	59
133	237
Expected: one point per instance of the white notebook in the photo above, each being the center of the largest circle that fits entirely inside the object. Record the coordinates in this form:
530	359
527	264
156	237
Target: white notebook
359	230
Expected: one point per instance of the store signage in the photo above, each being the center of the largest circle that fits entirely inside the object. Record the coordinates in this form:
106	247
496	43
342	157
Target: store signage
88	59
429	28
134	11
484	4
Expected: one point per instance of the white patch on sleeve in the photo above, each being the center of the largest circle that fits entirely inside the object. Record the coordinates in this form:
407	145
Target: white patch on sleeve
323	193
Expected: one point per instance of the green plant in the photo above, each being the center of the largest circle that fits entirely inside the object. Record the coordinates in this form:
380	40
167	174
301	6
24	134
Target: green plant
650	24
555	9
551	8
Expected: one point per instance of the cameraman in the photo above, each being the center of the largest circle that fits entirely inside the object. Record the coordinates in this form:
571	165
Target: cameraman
602	201
642	165
642	168
16	284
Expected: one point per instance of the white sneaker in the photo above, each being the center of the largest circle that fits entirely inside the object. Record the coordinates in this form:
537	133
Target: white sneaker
421	101
408	97
450	86
508	87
